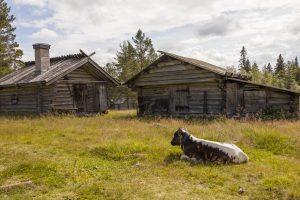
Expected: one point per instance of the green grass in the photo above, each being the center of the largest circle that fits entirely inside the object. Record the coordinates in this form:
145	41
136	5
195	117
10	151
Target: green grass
118	156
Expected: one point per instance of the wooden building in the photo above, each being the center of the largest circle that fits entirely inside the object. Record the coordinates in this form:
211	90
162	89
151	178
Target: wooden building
71	83
179	86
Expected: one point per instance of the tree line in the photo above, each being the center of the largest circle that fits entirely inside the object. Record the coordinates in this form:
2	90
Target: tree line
283	74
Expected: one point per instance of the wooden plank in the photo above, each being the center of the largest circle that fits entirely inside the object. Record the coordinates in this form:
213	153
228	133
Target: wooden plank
231	99
168	82
181	73
255	100
167	63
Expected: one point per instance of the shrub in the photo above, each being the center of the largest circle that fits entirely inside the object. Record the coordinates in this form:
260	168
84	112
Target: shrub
272	113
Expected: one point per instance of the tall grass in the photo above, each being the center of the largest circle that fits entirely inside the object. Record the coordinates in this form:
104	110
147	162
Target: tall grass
119	156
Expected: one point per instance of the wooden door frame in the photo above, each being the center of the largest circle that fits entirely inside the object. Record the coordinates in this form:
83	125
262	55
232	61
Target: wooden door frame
84	97
232	110
100	99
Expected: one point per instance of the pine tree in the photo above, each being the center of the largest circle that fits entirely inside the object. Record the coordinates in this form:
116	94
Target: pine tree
255	67
247	67
131	58
10	54
267	74
145	53
125	61
134	56
296	62
255	73
280	67
290	74
269	68
244	63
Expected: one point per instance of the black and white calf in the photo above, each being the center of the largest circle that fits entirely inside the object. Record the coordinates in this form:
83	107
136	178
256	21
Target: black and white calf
207	151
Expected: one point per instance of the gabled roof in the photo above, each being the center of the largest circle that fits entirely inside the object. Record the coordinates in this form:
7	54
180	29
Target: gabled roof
59	67
197	63
264	85
210	67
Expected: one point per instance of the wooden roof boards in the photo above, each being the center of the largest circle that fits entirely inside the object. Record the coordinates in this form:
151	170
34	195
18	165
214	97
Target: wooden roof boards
207	66
59	67
197	63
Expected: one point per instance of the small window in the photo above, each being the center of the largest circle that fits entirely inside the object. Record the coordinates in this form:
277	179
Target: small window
14	99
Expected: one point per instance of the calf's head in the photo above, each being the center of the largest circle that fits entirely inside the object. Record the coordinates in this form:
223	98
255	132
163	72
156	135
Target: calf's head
178	135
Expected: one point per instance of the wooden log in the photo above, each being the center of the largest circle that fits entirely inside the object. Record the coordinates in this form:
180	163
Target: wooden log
173	62
178	81
15	185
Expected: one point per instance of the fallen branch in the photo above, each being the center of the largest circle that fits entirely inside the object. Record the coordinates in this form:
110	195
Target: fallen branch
14	185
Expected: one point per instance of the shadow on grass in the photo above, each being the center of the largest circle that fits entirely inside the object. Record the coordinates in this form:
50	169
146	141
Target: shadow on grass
172	157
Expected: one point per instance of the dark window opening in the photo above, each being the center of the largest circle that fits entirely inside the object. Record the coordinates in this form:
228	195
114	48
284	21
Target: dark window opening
14	99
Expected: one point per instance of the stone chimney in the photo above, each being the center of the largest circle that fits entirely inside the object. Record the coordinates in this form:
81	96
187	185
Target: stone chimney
42	59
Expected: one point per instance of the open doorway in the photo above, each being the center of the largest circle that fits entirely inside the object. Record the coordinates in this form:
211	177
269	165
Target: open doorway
80	97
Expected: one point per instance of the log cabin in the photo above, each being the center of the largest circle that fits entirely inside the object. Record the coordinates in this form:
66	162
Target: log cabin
71	83
177	86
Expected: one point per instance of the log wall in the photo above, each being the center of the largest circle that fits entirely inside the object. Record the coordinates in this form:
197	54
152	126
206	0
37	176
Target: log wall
26	99
63	91
253	98
173	88
57	96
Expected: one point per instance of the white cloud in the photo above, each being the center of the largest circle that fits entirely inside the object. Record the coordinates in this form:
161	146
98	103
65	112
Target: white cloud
218	26
266	28
45	34
38	3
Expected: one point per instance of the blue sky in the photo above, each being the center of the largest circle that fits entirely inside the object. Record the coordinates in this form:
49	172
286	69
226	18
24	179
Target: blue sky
213	30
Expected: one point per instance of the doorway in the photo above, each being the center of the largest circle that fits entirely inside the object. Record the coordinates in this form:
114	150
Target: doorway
80	94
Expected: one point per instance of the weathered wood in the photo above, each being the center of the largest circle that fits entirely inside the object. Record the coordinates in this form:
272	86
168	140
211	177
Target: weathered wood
162	91
64	96
39	100
231	99
103	98
177	81
167	63
255	100
14	185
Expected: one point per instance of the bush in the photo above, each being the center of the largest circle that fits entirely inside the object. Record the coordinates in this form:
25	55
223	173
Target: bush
272	113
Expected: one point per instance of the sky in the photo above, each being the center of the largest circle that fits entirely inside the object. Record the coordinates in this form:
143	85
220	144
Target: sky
209	30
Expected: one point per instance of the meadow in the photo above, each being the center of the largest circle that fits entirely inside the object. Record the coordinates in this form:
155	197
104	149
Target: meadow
119	156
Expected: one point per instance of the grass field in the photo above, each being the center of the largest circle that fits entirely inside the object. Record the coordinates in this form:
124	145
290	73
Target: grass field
117	156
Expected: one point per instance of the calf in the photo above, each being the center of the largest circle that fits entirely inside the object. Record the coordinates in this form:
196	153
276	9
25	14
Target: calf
207	151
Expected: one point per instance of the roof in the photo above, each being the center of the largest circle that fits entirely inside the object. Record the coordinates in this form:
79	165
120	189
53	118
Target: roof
264	85
197	63
210	67
59	67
